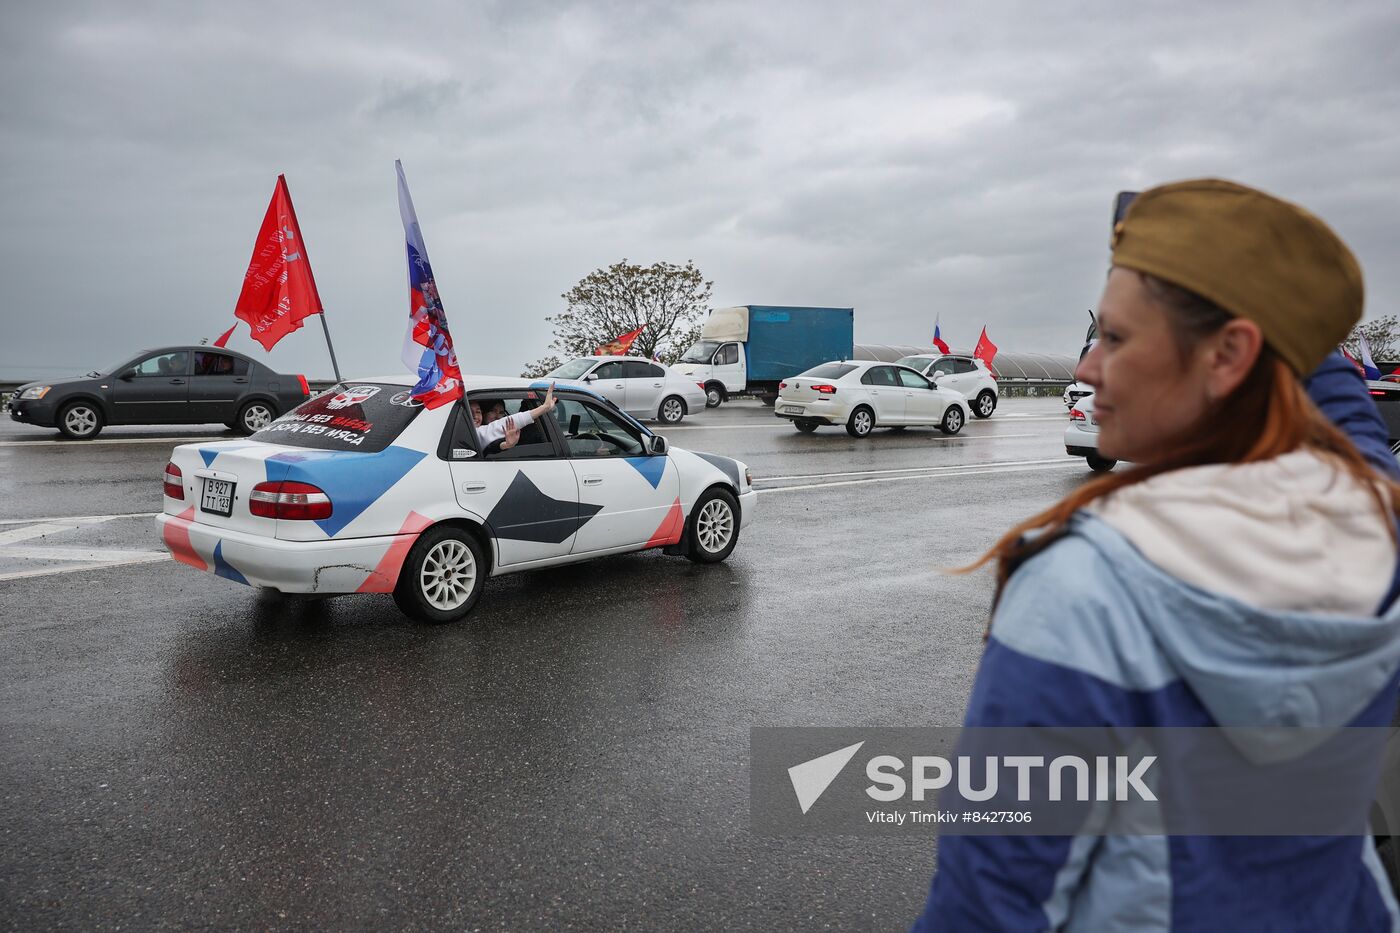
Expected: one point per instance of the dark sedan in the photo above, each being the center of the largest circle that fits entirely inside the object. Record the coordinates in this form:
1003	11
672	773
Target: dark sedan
171	385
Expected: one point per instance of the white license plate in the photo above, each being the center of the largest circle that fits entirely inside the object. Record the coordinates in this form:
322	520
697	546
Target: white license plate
792	410
218	497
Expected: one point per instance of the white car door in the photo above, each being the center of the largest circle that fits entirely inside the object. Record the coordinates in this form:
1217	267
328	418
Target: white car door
922	402
645	383
886	394
964	378
729	367
609	380
627	498
528	495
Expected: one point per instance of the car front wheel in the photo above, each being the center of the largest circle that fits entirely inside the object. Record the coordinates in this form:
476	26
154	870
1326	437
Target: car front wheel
80	421
714	396
986	404
442	576
952	420
861	422
713	527
672	410
255	416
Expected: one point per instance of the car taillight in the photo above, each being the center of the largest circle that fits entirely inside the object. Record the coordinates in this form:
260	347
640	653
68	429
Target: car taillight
289	501
1076	415
782	385
174	482
825	390
305	389
1378	392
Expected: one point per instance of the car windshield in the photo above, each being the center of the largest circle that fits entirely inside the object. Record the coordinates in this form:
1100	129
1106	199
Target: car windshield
700	352
359	416
914	362
829	371
573	369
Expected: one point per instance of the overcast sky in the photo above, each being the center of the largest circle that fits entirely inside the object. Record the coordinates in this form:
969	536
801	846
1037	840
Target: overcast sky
905	159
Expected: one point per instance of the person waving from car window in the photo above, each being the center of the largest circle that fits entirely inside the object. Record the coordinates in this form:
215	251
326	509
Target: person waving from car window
489	432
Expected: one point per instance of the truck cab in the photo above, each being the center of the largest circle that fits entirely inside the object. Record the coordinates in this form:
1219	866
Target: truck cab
719	365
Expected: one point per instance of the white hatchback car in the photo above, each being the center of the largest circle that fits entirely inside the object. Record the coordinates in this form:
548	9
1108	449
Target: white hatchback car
642	388
362	490
1082	435
965	374
863	396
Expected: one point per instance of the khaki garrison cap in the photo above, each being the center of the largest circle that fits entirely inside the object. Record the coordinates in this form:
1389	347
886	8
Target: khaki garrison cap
1254	255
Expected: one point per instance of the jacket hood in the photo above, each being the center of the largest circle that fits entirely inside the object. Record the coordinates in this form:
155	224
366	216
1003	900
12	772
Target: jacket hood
1253	666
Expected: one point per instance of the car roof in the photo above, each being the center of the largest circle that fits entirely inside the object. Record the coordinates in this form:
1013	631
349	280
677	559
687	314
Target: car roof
171	349
594	356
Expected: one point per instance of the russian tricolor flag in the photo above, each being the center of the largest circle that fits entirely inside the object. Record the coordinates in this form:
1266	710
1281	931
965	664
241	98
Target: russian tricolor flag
427	343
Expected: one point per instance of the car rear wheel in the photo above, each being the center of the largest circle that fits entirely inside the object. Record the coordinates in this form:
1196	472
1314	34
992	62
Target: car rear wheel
80	421
255	416
1100	464
986	404
805	425
713	527
672	410
442	576
861	422
714	396
952	420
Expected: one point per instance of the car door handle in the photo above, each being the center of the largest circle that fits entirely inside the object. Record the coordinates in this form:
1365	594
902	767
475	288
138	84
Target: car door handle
177	382
657	385
473	487
592	481
241	380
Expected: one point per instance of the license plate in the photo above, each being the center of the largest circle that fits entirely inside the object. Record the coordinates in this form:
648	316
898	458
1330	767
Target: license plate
791	410
218	497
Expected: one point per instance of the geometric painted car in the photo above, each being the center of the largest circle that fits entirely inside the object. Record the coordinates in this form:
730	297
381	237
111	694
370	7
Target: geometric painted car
362	490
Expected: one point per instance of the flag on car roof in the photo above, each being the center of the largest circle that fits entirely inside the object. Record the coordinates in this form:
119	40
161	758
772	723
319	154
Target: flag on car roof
1368	366
427	343
938	340
986	351
223	341
619	346
278	290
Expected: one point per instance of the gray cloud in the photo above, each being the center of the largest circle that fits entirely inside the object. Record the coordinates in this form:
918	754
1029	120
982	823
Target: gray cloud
901	158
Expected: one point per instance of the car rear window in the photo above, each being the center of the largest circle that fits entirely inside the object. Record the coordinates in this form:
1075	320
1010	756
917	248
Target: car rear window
829	371
362	416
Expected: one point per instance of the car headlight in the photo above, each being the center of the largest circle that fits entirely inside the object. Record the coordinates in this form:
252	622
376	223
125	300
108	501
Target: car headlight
34	392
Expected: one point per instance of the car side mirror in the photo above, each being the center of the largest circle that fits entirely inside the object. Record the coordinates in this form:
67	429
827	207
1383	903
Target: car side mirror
127	376
934	377
590	377
656	445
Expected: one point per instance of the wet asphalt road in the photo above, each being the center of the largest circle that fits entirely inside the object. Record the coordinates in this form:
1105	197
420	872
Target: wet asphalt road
181	751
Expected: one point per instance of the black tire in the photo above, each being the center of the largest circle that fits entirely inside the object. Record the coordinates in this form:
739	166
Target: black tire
714	395
861	422
952	421
768	400
254	416
985	404
805	425
80	420
672	410
1100	464
712	529
430	587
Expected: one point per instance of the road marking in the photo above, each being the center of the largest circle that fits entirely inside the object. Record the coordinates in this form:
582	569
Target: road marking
951	466
75	520
76	568
116	440
894	479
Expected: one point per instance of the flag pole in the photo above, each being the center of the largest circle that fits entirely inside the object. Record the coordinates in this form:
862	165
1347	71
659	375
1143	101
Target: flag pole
325	327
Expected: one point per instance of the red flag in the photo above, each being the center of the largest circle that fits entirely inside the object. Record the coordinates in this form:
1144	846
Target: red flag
223	341
986	351
619	345
278	290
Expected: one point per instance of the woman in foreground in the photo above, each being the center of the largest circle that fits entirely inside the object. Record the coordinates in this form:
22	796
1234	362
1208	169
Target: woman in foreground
1241	574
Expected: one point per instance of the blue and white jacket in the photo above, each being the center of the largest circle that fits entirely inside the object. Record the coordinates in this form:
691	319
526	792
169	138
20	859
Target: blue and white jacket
1242	595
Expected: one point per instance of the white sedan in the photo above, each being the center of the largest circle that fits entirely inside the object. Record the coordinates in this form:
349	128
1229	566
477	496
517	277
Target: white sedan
642	388
1082	435
965	374
864	396
362	490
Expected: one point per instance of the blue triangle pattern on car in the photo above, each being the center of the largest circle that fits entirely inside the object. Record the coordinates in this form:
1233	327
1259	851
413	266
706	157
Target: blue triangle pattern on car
207	454
651	468
226	570
354	481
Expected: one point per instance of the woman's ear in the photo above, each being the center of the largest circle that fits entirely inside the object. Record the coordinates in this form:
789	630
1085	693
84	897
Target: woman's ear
1231	354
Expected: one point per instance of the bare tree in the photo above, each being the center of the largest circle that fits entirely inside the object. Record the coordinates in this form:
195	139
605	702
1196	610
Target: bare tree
670	300
1382	334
